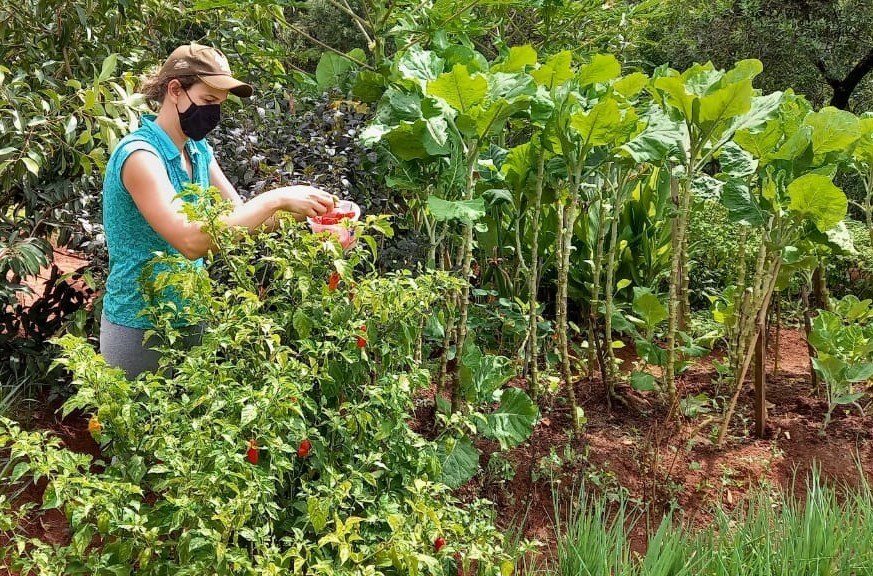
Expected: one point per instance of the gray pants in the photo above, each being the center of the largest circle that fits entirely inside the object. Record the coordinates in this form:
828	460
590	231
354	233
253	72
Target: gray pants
123	347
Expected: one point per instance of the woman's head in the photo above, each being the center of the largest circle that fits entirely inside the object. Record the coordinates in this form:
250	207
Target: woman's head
191	63
194	80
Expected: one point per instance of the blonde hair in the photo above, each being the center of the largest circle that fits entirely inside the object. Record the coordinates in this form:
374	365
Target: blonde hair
154	86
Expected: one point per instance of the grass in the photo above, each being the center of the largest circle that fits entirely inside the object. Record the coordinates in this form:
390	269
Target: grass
829	532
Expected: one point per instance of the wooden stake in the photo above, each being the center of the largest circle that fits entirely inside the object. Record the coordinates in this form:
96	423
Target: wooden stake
761	381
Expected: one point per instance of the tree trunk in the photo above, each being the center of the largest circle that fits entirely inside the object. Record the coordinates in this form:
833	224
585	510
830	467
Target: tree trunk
845	87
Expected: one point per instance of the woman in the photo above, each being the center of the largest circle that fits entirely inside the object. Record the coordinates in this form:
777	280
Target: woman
149	167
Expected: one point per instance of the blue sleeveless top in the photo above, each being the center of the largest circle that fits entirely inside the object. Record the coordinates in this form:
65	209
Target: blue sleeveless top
131	240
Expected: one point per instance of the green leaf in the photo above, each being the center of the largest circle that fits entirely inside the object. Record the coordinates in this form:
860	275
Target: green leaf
331	69
844	399
648	306
735	161
831	369
459	89
302	323
31	166
318	513
744	70
859	372
661	137
400	106
418	140
651	353
248	415
631	85
419	64
459	460
642	381
518	59
466	211
51	498
741	205
728	102
833	130
602	68
557	70
108	68
762	141
815	197
599	126
369	86
481	374
840	239
512	423
676	96
763	108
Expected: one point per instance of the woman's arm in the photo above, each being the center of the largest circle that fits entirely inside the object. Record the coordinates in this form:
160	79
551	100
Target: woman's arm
145	178
218	179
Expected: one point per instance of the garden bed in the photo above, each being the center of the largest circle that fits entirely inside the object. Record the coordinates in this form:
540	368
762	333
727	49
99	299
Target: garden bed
623	451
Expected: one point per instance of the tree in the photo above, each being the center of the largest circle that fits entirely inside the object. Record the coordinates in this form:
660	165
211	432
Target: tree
823	49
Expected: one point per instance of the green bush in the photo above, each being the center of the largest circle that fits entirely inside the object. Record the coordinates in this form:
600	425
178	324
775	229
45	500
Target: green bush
278	445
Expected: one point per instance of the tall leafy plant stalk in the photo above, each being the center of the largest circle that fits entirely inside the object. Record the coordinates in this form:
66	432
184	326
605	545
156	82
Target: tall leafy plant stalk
595	345
753	318
466	259
567	214
533	351
709	107
681	196
579	129
629	176
792	200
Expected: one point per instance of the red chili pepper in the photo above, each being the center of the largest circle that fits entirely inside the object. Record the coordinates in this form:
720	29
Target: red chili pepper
333	281
439	543
332	218
304	448
252	452
361	340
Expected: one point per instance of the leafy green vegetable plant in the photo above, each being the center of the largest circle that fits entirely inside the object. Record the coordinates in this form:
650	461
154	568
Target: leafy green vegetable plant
843	340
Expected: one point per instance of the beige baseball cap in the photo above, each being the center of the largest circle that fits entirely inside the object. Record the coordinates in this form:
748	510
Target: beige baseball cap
208	64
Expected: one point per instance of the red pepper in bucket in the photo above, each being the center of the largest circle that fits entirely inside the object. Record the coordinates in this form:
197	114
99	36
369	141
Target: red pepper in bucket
334	222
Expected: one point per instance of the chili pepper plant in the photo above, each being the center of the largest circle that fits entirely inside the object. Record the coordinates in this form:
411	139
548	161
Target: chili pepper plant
278	445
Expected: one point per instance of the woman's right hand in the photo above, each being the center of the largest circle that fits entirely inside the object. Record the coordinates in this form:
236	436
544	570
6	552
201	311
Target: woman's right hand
303	201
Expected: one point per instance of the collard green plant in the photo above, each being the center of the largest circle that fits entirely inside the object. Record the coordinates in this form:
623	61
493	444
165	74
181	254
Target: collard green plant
843	340
781	184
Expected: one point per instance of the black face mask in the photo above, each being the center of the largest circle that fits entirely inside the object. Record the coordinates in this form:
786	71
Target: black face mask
198	120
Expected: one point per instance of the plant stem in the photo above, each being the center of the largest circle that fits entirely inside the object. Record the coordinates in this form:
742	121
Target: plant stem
609	288
807	328
532	281
466	265
685	319
766	273
567	215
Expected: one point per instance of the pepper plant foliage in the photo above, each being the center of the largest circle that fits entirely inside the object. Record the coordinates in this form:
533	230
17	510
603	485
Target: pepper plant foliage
279	445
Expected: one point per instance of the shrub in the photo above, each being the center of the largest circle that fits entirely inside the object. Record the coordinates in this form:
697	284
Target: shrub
280	444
